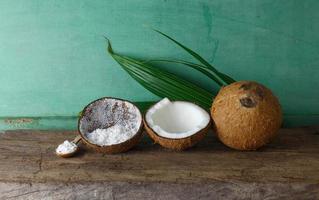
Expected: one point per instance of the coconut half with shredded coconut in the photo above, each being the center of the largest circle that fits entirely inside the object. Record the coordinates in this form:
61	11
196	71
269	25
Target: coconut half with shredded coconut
110	125
176	125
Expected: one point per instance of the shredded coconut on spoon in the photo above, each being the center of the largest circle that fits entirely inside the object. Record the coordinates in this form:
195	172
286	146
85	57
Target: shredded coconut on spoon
66	147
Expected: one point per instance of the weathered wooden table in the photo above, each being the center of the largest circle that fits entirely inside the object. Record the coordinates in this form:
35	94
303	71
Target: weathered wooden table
288	168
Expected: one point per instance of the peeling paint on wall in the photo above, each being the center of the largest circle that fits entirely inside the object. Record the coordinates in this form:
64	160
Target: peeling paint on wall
54	122
18	121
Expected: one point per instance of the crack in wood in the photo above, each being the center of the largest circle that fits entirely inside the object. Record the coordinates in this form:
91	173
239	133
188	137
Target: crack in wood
23	194
39	162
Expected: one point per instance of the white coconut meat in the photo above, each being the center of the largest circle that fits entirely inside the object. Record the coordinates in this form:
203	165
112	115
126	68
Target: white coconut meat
177	119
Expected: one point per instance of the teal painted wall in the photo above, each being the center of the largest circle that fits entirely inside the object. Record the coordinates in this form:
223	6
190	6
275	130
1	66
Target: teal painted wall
53	59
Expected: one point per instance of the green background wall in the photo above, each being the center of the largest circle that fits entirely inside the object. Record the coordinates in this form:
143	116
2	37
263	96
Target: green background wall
53	59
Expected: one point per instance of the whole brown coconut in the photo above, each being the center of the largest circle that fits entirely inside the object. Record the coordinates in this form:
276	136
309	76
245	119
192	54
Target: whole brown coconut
246	115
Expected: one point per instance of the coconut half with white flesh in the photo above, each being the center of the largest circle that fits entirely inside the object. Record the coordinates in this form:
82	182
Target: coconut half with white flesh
110	125
176	125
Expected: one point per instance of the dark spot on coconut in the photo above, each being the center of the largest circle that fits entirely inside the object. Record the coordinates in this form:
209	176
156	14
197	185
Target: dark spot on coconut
89	112
248	102
115	107
245	86
106	108
260	93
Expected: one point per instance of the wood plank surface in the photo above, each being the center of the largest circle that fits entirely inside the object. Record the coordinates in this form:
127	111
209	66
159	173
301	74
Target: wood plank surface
288	168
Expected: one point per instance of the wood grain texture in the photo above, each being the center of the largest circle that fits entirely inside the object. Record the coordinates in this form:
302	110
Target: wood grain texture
285	169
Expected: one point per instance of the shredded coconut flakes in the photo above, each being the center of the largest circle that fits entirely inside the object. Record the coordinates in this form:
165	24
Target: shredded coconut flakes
110	121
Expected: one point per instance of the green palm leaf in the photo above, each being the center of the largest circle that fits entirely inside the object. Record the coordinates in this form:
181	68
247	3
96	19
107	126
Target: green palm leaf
220	78
161	82
198	67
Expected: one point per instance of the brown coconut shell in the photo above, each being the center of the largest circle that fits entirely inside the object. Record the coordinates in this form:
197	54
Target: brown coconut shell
176	144
116	148
246	115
